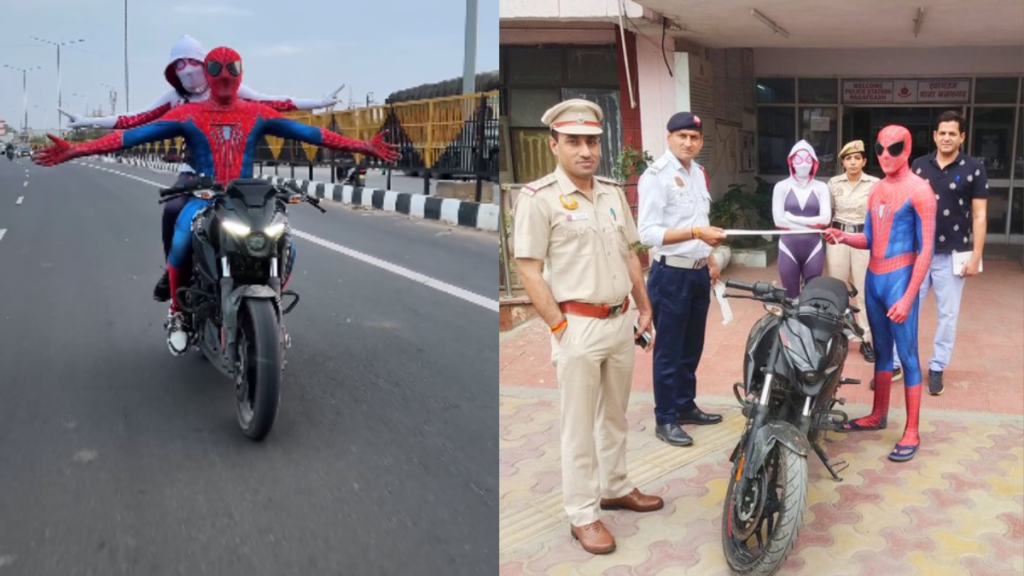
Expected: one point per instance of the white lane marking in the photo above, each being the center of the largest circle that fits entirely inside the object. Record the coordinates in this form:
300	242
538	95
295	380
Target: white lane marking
439	285
26	184
2	232
20	198
403	272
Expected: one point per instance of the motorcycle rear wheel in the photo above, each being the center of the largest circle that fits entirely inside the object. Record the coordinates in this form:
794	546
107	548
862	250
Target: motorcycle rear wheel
782	506
260	357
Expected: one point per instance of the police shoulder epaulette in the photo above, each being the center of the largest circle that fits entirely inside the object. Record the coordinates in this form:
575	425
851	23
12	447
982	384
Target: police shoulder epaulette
607	180
535	186
658	165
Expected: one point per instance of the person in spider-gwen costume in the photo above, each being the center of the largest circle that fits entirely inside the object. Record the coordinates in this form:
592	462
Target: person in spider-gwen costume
800	202
222	132
184	72
900	233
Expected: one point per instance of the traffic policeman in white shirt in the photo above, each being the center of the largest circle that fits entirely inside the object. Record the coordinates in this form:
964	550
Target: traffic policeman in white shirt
673	219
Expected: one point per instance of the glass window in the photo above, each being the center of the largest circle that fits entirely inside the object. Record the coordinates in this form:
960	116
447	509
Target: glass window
991	136
995	90
775	136
819	126
997	209
1017	214
819	91
1019	162
528	106
592	67
774	91
534	66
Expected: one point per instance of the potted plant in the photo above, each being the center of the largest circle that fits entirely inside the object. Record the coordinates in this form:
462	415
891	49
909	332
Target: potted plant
738	209
629	166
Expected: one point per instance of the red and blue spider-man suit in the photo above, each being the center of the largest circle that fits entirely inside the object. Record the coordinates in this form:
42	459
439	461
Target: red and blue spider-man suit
900	232
222	133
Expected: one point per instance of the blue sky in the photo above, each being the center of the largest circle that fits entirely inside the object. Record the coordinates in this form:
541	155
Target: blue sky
304	49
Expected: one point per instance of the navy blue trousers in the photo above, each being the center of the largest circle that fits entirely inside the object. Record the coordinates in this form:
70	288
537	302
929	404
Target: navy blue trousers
680	300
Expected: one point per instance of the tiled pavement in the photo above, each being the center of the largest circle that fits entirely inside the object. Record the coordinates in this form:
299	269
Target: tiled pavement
955	509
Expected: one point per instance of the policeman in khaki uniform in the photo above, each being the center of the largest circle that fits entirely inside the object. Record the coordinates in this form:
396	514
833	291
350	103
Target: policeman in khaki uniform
573	238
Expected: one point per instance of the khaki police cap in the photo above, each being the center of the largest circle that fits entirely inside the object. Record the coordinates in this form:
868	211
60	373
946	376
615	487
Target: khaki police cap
575	116
854	147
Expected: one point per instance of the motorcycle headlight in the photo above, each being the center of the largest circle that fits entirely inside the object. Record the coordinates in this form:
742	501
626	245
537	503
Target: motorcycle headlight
274	230
236	228
811	376
256	242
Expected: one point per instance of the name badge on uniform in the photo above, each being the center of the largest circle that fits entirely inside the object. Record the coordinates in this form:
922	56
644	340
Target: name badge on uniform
576	217
568	202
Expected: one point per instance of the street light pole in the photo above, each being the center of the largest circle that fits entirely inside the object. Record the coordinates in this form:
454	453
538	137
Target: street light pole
24	92
113	97
127	109
60	121
469	65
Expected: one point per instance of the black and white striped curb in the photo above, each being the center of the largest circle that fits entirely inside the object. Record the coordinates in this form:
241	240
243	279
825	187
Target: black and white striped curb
447	210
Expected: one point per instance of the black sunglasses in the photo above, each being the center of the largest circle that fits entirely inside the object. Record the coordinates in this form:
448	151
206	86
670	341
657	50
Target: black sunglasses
214	68
894	149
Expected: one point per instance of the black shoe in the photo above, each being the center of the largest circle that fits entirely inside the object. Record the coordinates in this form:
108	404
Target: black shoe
696	416
162	291
673	434
897	374
935	386
867	351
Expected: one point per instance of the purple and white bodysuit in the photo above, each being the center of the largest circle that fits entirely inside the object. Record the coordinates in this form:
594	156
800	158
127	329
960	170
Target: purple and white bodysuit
801	203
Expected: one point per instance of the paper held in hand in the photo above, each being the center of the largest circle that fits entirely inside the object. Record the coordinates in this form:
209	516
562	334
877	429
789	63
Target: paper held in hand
960	259
722	302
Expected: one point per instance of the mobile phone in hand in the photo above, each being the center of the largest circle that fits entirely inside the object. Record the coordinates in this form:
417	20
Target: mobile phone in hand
642	340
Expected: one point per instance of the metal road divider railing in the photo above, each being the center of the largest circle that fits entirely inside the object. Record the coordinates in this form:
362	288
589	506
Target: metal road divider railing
454	137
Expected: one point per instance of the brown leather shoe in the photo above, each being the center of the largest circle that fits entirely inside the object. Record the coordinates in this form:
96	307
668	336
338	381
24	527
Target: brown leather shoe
635	501
594	537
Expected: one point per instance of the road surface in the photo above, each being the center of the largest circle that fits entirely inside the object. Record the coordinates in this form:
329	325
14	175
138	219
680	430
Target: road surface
117	458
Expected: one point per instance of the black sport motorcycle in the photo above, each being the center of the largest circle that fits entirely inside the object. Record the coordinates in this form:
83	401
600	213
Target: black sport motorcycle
233	304
792	371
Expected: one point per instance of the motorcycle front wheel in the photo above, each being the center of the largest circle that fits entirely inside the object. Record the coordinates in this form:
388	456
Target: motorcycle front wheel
760	526
258	394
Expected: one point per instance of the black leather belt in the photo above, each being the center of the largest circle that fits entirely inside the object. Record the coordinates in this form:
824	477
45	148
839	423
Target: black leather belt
851	228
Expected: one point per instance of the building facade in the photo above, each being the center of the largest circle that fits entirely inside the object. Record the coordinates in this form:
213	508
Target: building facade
827	72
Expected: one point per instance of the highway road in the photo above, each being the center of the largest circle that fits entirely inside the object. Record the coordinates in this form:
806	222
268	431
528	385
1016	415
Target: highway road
117	458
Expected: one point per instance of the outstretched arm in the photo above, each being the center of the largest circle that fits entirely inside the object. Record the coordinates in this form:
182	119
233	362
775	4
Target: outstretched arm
276	125
155	110
285	103
62	151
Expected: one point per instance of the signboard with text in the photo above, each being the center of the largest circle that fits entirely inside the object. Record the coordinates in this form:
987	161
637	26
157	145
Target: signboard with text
929	91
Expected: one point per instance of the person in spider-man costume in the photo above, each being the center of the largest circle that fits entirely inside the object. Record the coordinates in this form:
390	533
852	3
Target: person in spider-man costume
184	72
222	133
900	233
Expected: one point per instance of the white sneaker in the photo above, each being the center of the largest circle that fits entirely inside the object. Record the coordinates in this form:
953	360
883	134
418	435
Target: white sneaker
177	337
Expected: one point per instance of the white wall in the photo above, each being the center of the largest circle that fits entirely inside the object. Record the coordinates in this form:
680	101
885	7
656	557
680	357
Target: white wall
658	101
906	62
565	9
